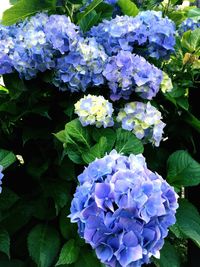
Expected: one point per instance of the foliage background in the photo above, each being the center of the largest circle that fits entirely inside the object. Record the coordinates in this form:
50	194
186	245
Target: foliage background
38	186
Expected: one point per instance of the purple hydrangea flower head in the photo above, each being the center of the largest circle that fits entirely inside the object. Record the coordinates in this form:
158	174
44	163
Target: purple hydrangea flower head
144	120
32	52
127	72
82	67
123	209
148	30
94	110
61	33
1	176
6	47
188	24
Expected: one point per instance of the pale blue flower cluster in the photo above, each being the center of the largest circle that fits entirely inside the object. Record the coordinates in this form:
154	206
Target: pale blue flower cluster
147	34
144	120
38	42
1	176
188	24
94	110
123	210
32	53
6	47
81	67
127	73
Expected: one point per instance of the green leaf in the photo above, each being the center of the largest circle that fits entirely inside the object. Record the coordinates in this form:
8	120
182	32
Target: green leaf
7	199
4	242
169	257
75	132
193	121
127	143
58	191
24	8
89	9
188	221
182	169
97	151
87	258
69	253
74	154
14	85
43	245
194	13
61	136
128	7
110	135
183	102
89	20
191	40
67	229
6	158
21	211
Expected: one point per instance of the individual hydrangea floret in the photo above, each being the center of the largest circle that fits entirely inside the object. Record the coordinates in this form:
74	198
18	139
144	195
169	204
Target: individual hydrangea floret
82	67
6	47
188	24
166	84
61	33
94	110
1	176
147	34
127	72
123	210
144	120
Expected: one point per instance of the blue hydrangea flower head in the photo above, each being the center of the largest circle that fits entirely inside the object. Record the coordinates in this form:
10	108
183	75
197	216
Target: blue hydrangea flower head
123	209
1	176
61	33
188	24
32	52
144	120
127	72
94	110
6	47
148	30
81	67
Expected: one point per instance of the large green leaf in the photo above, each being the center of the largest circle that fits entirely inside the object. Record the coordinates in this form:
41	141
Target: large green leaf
182	169
89	9
4	242
97	151
69	253
128	7
169	257
89	20
87	258
24	8
188	221
7	199
193	121
6	158
191	40
75	132
194	13
43	245
110	135
127	143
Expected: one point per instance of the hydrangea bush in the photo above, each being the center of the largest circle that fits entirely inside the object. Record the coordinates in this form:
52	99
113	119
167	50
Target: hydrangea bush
99	147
